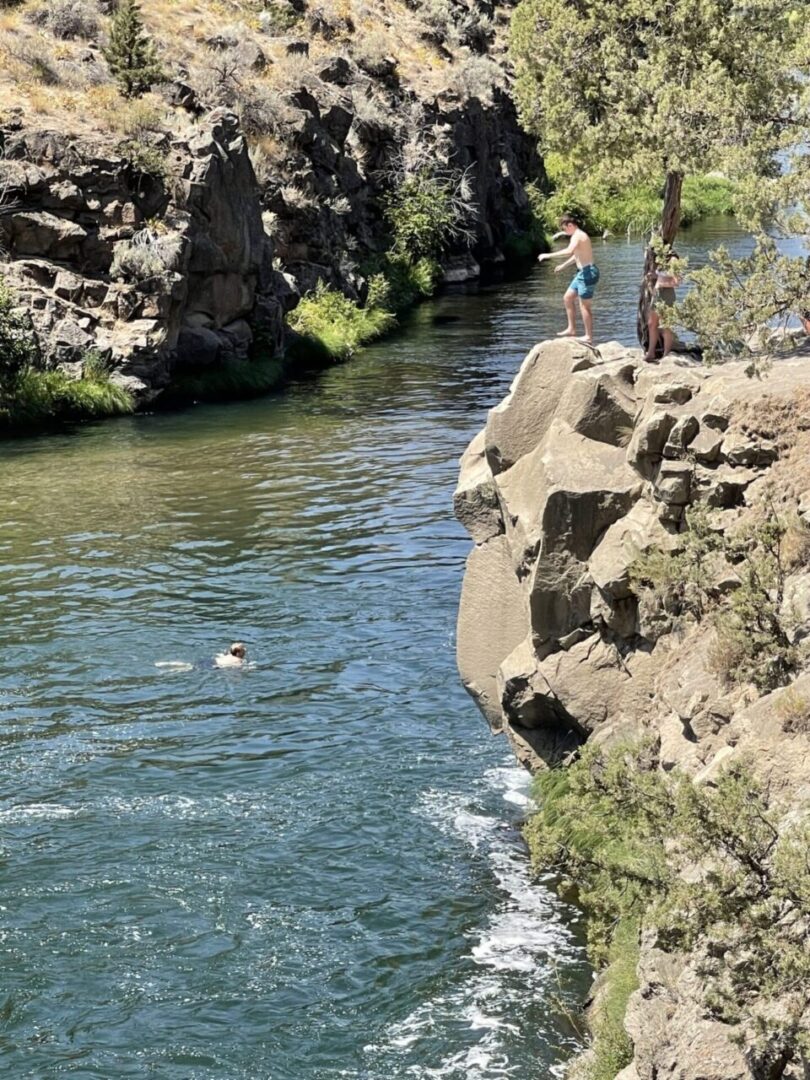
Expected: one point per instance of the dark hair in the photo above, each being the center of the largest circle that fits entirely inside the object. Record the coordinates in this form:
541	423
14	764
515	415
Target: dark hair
571	219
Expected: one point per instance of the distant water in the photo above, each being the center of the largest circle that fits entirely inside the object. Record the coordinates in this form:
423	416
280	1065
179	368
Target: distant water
310	869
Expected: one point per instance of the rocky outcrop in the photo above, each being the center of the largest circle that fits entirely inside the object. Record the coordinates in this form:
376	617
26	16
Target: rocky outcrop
176	229
593	460
154	269
348	144
166	251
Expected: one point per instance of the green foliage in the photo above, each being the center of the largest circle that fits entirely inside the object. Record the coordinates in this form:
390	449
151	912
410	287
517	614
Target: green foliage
635	208
753	641
405	282
96	367
612	1047
626	93
739	308
337	325
599	824
712	868
41	398
144	158
426	214
31	398
680	580
130	53
18	347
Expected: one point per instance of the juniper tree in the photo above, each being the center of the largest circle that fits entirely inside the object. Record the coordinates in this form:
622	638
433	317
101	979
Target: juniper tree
130	53
743	307
626	91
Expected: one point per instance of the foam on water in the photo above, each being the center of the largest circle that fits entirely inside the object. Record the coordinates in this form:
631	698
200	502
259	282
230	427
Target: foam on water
513	956
16	815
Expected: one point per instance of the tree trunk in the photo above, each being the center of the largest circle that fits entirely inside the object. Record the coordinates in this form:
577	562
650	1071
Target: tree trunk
670	220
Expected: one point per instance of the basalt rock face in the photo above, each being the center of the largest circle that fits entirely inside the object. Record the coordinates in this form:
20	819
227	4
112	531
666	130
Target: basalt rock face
590	462
593	459
346	146
181	259
152	270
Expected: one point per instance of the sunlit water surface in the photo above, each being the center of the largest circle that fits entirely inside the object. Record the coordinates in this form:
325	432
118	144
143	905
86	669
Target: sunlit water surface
308	869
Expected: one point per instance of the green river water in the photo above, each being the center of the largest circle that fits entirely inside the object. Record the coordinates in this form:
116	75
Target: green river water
308	869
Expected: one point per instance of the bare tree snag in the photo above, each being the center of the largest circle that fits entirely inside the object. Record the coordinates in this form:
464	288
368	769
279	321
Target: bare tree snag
670	221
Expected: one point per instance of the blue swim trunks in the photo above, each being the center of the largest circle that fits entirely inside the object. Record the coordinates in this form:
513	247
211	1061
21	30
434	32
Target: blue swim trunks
585	282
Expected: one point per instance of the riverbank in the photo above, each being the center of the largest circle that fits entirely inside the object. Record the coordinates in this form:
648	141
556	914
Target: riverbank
643	557
635	211
283	203
341	174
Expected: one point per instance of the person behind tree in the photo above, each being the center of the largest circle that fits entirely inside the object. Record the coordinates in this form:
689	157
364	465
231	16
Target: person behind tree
663	284
579	251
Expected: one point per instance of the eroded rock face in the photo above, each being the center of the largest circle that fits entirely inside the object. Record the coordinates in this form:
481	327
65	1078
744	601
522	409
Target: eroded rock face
174	261
591	462
154	271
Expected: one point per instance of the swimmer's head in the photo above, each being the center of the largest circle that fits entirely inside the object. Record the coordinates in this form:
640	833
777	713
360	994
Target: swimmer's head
238	649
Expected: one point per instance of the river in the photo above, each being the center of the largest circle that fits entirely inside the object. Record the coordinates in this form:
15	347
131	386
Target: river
308	869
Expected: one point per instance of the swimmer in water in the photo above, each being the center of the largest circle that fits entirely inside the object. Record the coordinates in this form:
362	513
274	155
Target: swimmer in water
234	657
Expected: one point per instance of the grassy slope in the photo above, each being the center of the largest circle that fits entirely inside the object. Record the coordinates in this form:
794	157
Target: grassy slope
51	77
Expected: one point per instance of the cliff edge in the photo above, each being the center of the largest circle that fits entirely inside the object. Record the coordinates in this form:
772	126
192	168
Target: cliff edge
641	570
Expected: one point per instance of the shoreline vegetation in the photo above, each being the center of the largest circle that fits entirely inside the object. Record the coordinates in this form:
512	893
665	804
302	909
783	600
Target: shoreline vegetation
331	327
33	398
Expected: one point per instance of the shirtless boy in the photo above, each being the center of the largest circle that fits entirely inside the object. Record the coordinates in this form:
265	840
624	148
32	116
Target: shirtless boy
579	251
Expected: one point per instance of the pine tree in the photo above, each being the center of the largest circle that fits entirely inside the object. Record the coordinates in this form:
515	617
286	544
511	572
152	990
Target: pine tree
130	53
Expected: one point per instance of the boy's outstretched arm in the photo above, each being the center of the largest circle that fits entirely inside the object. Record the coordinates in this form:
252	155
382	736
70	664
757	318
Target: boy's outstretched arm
558	254
562	266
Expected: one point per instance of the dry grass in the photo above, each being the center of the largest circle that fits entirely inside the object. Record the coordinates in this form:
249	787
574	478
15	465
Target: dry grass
793	709
31	56
780	419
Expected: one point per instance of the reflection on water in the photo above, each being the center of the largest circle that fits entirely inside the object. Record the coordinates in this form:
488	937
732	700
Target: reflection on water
308	869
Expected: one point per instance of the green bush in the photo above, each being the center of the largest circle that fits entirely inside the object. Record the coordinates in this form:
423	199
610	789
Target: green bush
18	348
637	208
426	214
144	158
680	580
753	640
40	398
612	1047
407	282
631	837
336	325
30	398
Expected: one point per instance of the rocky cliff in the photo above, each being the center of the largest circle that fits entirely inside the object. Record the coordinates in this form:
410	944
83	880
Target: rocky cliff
173	230
156	271
618	509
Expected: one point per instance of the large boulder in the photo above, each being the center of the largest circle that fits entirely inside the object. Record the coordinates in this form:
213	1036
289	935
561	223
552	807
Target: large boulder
491	622
521	420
